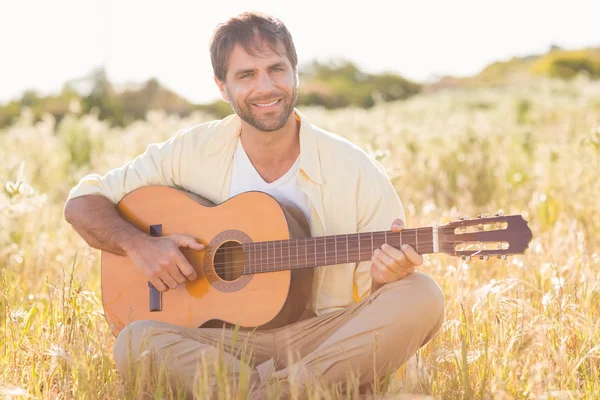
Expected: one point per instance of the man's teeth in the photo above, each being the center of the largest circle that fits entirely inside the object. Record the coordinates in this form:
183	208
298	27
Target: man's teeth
266	105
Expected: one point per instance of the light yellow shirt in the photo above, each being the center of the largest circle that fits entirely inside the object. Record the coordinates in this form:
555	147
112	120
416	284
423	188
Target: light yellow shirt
348	190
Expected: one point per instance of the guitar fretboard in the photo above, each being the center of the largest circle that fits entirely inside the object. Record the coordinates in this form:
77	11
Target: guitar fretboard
280	255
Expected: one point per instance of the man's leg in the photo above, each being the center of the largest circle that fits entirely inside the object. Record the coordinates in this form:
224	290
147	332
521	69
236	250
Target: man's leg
181	354
369	339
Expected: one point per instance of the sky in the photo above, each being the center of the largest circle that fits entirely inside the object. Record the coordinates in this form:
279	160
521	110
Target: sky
47	43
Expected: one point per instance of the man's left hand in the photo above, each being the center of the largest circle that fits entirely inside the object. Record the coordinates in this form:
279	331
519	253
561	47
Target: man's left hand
389	264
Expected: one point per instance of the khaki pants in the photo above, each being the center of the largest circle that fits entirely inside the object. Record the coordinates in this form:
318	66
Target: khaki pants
374	336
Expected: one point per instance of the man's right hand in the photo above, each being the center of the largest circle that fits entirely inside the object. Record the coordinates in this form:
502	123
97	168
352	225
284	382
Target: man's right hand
161	261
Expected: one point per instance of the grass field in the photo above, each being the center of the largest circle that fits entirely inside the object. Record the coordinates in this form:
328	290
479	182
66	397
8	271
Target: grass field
523	328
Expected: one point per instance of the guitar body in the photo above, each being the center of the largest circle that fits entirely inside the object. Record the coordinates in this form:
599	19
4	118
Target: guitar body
219	296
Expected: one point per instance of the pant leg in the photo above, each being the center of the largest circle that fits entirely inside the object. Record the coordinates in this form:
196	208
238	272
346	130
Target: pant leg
368	339
183	354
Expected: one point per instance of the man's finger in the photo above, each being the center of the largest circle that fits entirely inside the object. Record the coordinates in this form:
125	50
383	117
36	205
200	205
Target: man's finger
376	275
188	241
397	225
175	272
412	255
386	273
186	268
385	258
158	284
168	280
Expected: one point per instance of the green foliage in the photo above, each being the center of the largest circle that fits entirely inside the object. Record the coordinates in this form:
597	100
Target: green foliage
343	84
568	64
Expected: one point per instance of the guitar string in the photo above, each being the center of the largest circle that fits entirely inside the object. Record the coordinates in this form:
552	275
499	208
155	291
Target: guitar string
278	249
230	265
322	251
317	241
366	236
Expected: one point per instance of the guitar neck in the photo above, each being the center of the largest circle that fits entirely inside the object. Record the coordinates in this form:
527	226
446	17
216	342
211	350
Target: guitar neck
311	252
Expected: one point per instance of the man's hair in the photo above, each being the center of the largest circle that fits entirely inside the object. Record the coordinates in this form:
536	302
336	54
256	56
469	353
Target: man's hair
248	30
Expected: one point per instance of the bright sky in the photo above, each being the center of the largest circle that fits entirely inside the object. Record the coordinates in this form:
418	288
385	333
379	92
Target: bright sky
46	43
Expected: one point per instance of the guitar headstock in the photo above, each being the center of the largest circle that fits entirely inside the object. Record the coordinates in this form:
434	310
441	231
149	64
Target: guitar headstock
485	236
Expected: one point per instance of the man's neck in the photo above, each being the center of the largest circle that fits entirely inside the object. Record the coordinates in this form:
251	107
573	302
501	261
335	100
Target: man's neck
272	153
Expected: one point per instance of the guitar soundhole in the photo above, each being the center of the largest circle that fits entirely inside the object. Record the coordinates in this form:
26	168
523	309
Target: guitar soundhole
229	261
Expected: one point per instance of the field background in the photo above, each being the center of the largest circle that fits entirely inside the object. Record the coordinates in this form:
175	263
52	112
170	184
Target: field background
524	328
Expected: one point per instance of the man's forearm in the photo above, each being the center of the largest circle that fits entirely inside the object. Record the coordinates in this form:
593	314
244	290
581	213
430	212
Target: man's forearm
96	219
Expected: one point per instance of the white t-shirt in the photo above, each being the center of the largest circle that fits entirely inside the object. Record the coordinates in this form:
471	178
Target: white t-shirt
245	178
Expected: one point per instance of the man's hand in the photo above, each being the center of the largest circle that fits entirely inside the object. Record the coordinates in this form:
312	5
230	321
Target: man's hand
390	264
161	261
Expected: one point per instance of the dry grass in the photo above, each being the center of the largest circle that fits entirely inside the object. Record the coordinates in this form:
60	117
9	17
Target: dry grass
526	328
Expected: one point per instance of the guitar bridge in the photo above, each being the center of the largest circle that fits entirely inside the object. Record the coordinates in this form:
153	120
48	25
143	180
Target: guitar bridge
155	294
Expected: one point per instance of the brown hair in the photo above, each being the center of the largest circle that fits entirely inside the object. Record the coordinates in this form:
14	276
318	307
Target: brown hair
247	30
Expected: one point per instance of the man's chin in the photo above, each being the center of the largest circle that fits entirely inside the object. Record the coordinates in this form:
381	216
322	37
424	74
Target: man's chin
268	124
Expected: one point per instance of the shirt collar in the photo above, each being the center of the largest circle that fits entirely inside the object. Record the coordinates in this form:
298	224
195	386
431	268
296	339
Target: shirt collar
228	131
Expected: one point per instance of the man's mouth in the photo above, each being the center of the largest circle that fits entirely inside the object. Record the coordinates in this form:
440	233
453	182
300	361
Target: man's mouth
272	103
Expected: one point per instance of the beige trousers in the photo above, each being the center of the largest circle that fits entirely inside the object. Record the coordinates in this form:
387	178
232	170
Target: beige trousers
366	340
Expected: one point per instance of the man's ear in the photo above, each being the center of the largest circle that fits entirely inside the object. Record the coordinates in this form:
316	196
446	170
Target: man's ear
221	86
297	78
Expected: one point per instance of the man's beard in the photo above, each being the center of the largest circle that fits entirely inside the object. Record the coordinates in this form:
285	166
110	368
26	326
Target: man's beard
266	124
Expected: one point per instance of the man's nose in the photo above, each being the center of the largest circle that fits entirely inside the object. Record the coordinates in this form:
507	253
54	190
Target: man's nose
265	83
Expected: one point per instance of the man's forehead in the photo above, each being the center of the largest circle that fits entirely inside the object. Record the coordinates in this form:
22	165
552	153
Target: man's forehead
259	51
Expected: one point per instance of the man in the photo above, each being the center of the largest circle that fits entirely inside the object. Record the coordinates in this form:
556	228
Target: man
365	319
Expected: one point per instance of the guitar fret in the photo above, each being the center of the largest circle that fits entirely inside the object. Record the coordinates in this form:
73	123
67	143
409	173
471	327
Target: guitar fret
372	248
335	247
416	240
359	253
325	248
306	251
347	255
315	249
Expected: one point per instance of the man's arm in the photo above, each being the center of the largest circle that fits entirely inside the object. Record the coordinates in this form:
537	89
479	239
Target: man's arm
96	220
91	210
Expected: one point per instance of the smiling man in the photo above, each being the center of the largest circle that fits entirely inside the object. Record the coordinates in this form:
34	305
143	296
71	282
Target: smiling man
363	319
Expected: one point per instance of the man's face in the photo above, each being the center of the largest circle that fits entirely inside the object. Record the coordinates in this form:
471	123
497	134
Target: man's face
261	89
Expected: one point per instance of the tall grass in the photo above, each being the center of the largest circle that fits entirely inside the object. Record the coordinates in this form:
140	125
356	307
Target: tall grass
523	328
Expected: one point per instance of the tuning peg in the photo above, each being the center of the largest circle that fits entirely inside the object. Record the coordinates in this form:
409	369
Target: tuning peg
485	258
465	258
483	215
464	217
502	257
500	213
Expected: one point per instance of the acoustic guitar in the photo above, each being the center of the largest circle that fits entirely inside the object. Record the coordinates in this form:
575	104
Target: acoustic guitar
256	269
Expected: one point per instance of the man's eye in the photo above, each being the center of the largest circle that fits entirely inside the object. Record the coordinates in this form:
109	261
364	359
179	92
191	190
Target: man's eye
277	69
245	76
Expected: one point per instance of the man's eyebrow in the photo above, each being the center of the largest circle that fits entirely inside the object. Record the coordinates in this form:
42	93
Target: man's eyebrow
243	71
279	64
248	70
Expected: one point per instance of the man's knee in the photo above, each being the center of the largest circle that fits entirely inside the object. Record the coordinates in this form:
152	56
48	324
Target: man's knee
422	294
129	343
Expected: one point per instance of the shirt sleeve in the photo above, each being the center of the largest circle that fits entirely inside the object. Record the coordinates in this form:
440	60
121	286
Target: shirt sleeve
162	164
378	205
